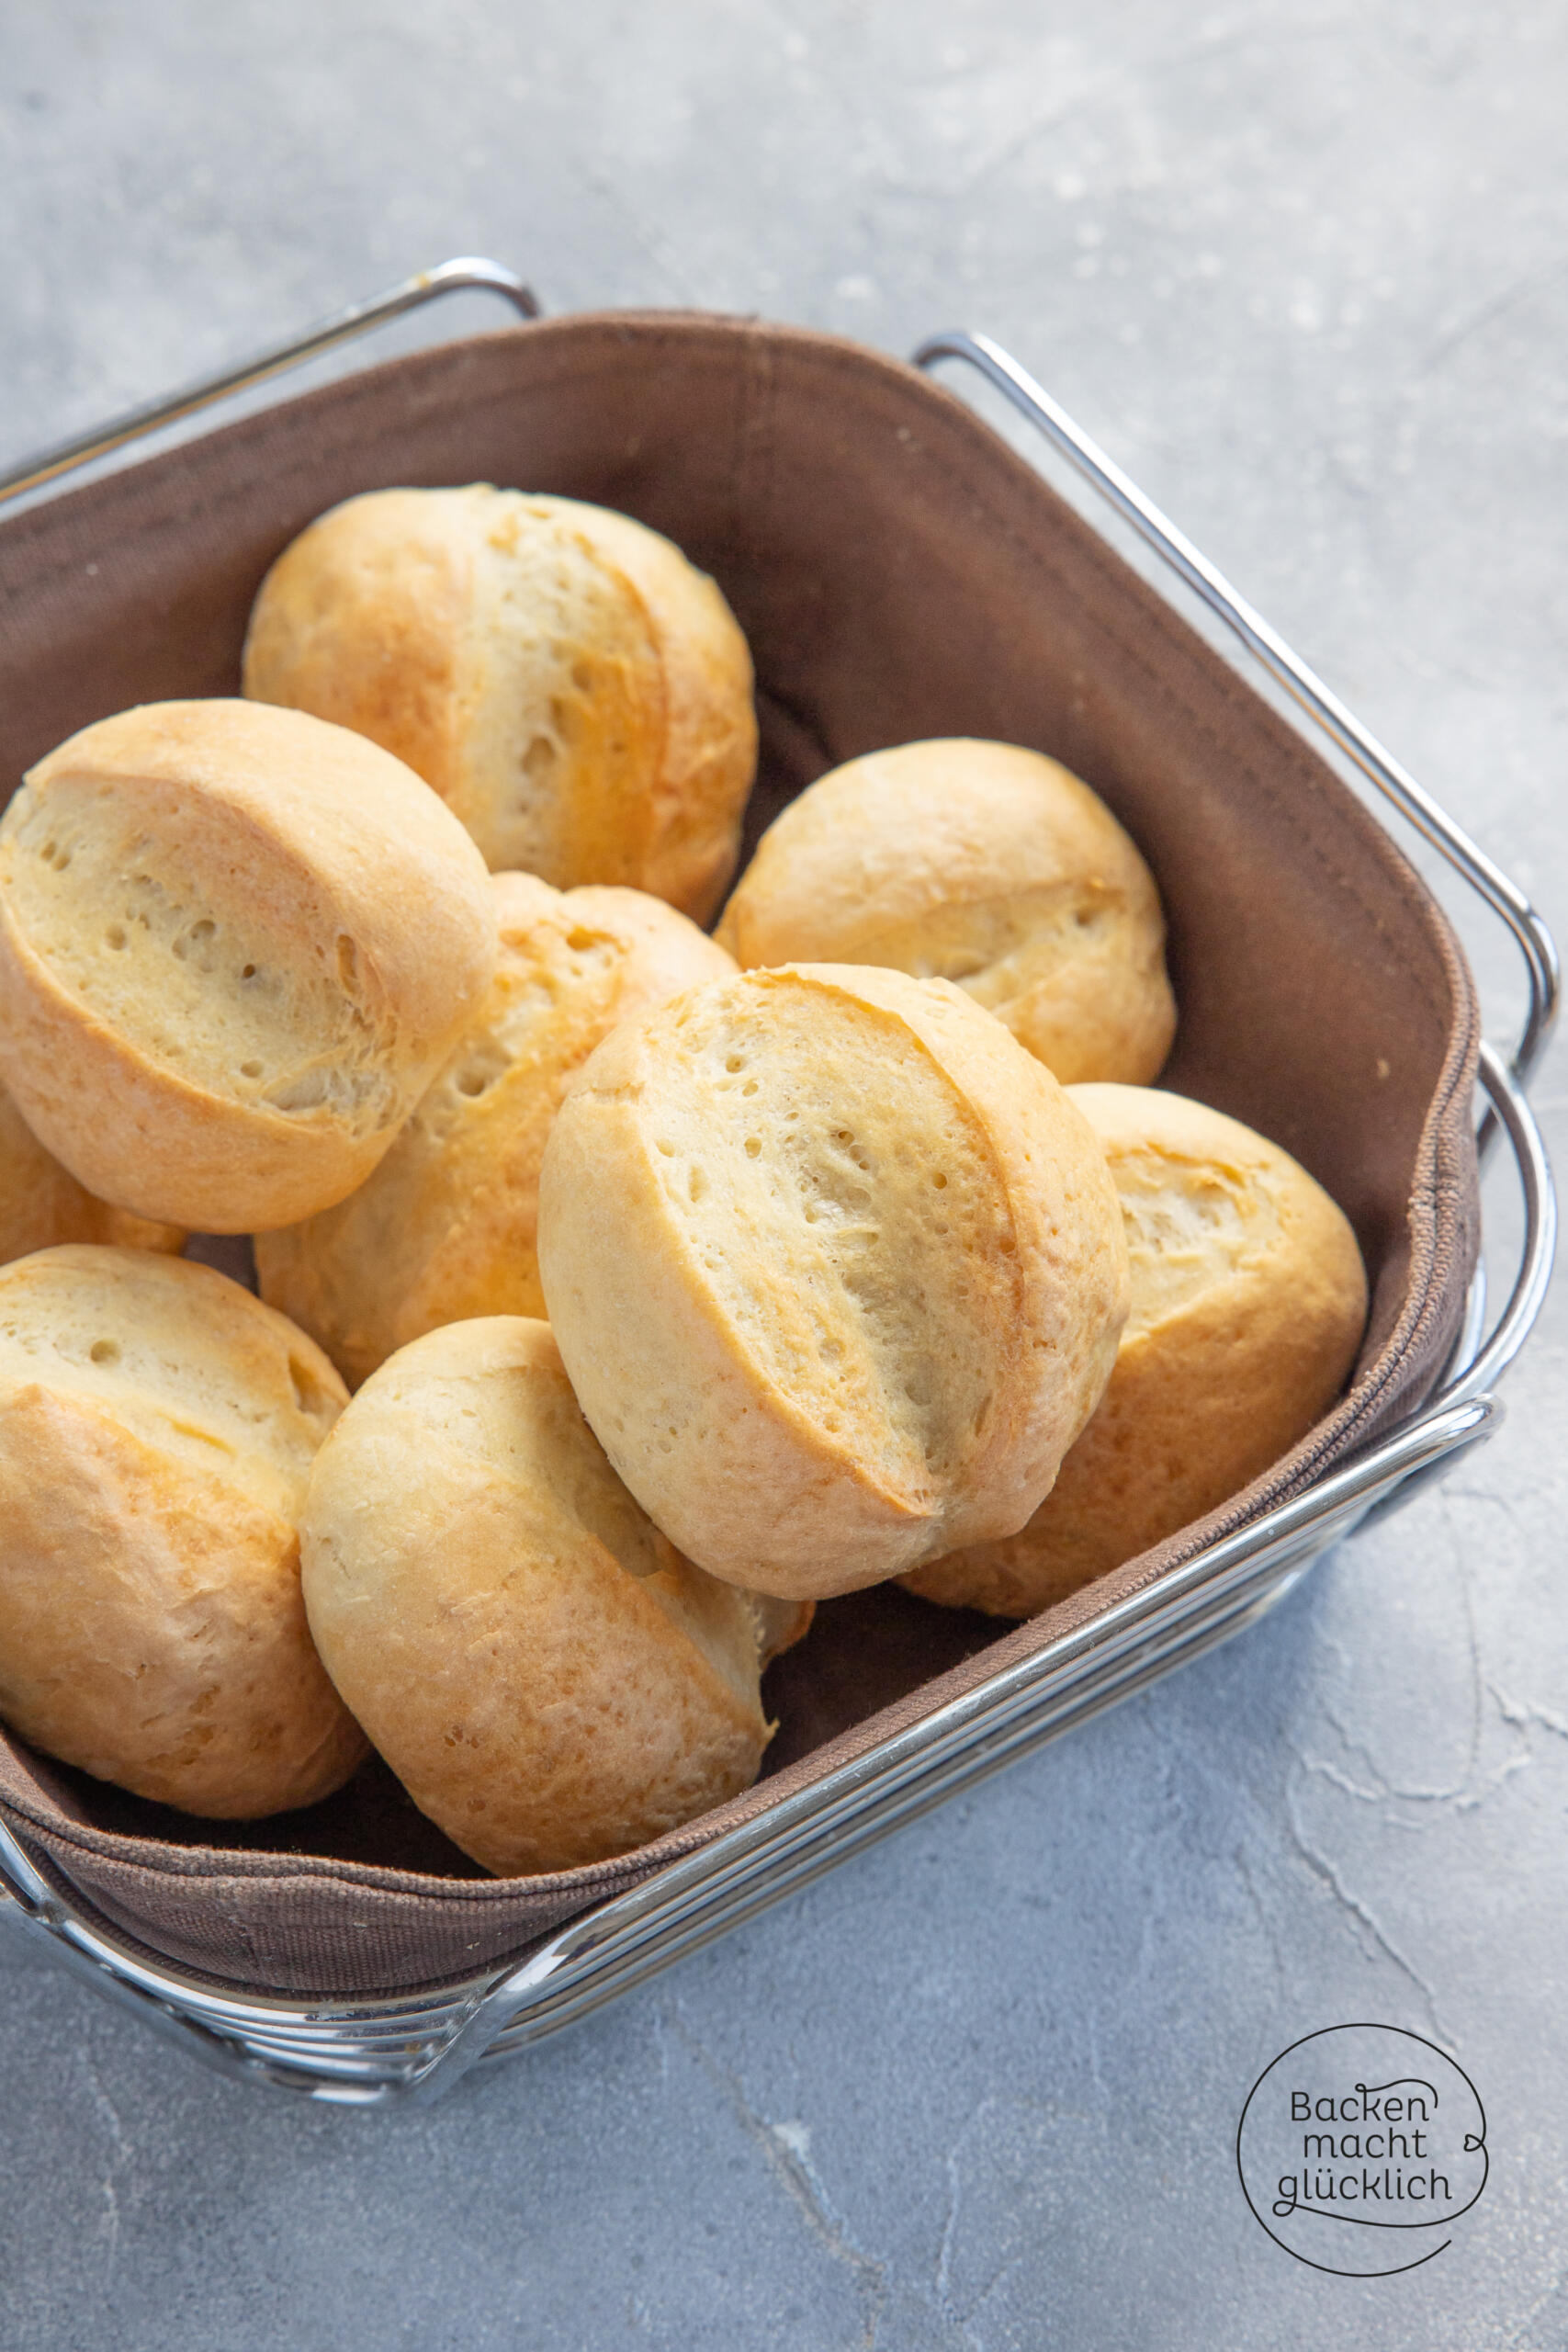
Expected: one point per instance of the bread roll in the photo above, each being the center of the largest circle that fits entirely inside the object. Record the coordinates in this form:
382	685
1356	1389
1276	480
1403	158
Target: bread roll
978	862
574	689
445	1227
835	1268
551	1682
157	1424
235	947
40	1204
1248	1302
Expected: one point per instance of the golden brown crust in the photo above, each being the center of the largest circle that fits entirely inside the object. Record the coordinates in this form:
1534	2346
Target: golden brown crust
979	863
835	1268
552	1683
42	1204
1249	1302
445	1227
235	944
157	1424
575	690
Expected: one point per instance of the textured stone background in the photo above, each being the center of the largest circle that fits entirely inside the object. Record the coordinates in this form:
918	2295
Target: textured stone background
1304	268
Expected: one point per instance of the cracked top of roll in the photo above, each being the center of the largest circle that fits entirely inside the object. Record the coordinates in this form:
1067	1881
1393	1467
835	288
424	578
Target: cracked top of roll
576	691
1248	1302
836	1270
983	864
235	944
445	1227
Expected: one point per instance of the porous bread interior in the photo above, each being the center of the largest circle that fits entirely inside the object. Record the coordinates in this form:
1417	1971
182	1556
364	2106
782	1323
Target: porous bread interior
559	729
186	965
1040	958
1190	1223
572	686
445	1225
572	963
187	1360
999	946
841	1243
889	1307
483	640
1249	1302
551	977
710	725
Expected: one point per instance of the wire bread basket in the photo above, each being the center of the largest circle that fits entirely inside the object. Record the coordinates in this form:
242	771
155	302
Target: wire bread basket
754	427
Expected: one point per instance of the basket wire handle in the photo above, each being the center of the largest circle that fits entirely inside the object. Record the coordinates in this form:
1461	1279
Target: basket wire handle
468	274
1343	729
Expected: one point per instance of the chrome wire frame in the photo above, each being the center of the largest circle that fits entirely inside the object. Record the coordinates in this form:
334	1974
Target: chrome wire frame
1328	714
414	2046
468	274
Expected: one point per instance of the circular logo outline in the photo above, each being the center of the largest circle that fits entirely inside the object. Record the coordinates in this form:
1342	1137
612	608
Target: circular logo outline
1472	2140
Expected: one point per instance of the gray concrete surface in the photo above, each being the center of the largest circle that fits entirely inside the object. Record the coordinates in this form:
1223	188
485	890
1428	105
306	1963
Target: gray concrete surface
1304	268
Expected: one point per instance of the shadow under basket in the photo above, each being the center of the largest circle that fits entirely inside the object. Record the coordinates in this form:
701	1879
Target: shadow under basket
899	573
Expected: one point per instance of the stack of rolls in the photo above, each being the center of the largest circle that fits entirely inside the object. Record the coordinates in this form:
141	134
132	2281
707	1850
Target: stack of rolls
625	1291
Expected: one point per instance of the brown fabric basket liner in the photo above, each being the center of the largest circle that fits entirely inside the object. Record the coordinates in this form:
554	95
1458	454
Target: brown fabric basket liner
899	573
